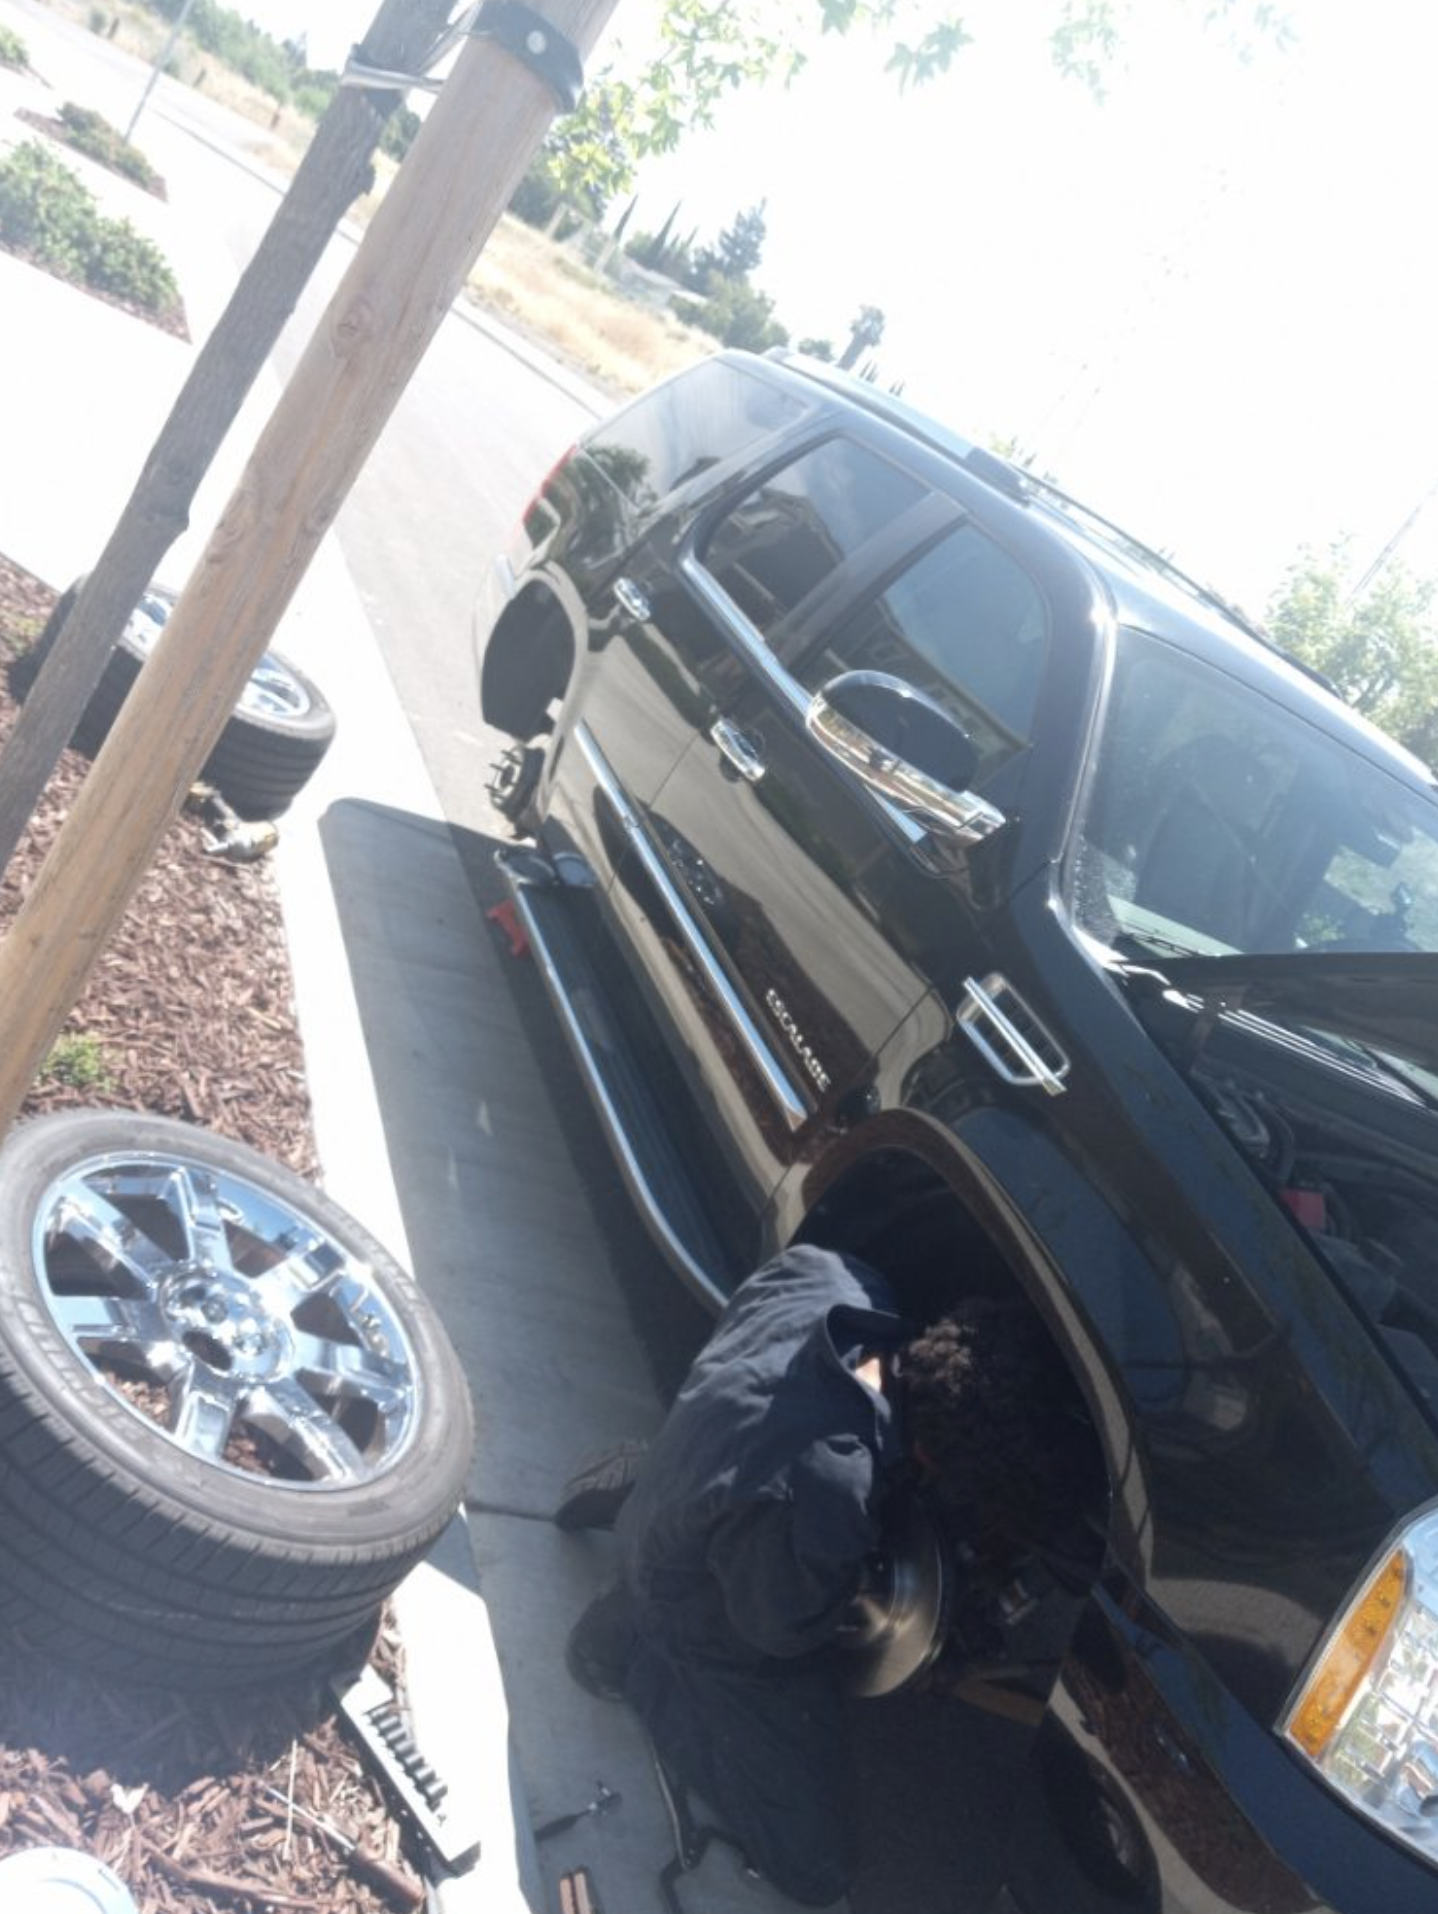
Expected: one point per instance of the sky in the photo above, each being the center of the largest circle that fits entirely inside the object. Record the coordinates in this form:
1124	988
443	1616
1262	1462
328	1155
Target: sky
1207	305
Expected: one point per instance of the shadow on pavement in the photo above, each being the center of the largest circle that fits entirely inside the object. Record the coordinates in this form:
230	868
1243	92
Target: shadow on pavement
484	1084
521	1233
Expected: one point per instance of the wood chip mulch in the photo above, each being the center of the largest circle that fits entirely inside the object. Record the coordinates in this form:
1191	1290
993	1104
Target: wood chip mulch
192	1009
191	1006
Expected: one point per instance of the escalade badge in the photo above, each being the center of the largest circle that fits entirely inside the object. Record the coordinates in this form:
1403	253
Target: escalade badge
785	1019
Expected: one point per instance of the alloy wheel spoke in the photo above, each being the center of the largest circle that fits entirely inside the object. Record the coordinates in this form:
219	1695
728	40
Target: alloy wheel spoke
202	1414
289	1414
88	1216
118	1326
197	1206
349	1369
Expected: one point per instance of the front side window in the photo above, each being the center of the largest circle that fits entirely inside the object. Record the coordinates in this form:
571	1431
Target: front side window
963	623
1222	822
783	539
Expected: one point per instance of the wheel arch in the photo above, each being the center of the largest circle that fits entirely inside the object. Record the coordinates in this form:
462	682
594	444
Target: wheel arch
919	1200
528	661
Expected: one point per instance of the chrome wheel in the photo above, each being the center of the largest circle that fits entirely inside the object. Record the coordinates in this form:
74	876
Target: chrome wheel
227	1318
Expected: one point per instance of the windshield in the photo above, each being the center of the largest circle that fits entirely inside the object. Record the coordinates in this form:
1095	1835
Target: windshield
1220	822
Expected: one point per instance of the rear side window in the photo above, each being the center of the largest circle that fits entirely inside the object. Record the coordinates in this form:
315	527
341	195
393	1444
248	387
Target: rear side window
710	414
786	537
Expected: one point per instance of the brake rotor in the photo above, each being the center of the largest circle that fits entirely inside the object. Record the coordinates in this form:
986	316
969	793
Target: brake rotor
898	1619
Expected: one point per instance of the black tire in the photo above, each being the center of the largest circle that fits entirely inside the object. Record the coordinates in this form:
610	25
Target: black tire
269	749
272	746
183	1499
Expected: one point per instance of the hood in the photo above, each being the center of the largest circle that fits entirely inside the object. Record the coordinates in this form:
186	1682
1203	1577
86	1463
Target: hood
1384	1000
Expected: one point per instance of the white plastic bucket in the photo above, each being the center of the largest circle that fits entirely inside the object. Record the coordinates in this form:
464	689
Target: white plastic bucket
61	1881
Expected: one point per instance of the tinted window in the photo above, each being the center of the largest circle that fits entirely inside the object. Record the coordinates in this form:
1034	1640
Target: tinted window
963	623
1220	821
666	438
782	540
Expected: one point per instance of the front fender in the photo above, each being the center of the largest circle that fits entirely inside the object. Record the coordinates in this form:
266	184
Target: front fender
1150	1790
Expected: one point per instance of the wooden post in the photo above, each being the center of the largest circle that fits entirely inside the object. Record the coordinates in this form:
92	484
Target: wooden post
460	173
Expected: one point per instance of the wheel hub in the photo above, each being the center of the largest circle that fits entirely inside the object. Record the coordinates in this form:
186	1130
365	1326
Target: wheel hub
217	1317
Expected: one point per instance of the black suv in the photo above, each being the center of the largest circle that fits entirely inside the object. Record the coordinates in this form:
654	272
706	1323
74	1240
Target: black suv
926	868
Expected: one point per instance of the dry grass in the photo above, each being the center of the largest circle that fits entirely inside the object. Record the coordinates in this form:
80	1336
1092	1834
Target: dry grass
144	34
543	289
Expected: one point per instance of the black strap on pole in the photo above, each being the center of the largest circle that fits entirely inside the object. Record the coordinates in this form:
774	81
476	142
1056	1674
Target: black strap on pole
542	47
517	28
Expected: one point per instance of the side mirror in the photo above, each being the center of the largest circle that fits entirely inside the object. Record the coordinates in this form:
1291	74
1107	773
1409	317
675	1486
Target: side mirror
906	748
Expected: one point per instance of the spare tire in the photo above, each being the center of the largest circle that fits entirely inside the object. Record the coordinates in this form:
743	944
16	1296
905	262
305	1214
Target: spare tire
270	747
229	1422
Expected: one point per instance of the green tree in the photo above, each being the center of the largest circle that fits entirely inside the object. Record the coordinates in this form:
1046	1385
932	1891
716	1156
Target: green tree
1380	648
705	50
739	249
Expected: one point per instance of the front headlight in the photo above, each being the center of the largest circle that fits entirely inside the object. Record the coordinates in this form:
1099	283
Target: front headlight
1366	1714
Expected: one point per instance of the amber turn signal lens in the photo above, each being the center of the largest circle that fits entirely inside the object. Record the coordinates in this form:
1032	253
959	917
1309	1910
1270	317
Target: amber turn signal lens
1350	1655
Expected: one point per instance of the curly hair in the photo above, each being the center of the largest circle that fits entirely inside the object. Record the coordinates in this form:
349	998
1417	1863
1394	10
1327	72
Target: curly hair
992	1412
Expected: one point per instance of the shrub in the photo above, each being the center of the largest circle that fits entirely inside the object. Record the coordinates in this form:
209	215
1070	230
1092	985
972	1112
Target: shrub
313	96
536	199
45	211
737	314
47	214
130	266
398	134
13	50
91	133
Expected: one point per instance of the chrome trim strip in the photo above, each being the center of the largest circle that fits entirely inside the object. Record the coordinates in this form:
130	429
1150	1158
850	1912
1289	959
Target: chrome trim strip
793	1107
629	1167
1036	1072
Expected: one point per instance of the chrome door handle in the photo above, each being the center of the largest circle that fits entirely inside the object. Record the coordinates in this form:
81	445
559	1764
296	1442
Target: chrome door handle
738	749
632	599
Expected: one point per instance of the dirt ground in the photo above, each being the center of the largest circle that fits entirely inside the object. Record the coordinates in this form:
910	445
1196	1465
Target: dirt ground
189	1014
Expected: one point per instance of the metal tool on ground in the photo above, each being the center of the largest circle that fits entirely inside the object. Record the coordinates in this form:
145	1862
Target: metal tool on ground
239	840
369	1706
604	1799
402	1889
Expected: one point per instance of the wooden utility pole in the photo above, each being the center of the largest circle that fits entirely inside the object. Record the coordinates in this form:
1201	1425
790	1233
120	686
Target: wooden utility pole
461	171
334	172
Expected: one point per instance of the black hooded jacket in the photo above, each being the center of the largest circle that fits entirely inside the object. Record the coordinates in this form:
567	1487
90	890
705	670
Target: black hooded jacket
757	1504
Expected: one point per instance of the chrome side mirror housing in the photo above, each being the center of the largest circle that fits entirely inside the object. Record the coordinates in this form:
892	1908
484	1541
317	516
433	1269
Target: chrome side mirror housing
905	747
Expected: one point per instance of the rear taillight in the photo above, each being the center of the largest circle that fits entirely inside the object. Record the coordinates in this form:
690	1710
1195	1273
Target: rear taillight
537	517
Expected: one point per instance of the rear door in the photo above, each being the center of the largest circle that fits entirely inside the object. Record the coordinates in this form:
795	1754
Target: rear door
785	930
